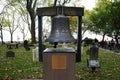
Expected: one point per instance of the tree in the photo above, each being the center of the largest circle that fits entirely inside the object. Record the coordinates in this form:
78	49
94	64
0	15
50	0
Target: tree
10	22
86	21
23	28
9	18
4	6
31	8
105	18
24	22
114	21
31	5
99	18
2	18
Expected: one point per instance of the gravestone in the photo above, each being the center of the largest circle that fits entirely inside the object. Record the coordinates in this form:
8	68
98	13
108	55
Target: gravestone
25	44
10	54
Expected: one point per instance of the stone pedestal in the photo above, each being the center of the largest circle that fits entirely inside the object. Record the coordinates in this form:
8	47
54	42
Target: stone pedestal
59	64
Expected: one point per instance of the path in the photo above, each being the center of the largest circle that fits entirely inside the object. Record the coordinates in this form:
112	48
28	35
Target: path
110	51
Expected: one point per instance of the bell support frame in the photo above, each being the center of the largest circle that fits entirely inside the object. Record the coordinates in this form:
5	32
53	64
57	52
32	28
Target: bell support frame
68	11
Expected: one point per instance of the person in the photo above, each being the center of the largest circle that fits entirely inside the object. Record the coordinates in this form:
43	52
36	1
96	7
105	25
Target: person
96	41
112	44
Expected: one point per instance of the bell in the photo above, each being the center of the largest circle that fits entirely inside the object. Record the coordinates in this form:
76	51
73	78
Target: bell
60	31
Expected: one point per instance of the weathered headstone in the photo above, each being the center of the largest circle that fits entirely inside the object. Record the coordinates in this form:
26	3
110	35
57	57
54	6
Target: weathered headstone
10	54
93	61
25	44
35	54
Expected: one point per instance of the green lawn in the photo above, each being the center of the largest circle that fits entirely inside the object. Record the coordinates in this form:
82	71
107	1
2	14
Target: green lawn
22	66
109	70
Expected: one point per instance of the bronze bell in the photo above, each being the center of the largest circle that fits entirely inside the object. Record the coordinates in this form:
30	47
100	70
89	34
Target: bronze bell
60	31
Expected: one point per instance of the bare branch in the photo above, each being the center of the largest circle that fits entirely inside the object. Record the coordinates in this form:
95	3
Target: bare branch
34	4
55	2
2	11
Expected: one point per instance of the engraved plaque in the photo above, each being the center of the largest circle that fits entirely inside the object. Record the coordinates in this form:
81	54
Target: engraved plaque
58	61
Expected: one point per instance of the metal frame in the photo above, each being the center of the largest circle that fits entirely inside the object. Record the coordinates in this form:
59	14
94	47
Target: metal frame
68	11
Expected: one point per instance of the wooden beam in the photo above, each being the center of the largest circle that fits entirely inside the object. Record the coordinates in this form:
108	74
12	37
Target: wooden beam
67	11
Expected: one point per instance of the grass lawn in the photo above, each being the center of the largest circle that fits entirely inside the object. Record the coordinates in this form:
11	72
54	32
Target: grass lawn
22	66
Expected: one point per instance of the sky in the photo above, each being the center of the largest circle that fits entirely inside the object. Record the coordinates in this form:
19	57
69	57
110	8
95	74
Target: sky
88	4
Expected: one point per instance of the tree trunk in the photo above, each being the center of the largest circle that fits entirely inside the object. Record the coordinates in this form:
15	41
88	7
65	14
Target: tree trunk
117	42
31	11
11	37
103	37
33	31
55	2
1	35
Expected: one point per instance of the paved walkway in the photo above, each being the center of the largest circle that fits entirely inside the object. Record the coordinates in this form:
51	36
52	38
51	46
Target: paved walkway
110	51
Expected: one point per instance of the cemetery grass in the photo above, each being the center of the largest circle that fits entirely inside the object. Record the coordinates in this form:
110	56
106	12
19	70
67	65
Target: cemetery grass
22	66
